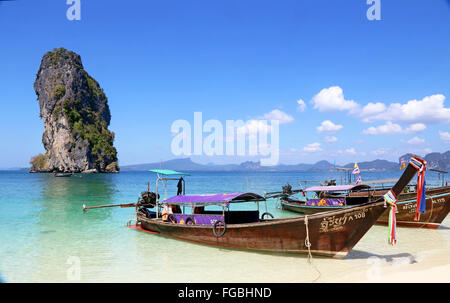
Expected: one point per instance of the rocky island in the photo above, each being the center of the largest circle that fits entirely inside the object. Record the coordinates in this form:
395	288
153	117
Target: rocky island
76	117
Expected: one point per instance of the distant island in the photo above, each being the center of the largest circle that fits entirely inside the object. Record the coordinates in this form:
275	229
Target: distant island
435	160
76	117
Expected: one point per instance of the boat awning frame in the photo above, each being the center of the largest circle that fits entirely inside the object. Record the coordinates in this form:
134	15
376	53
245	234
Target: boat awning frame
338	187
380	181
214	199
168	172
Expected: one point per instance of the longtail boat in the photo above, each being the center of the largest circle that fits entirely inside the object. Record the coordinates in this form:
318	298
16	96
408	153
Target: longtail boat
59	174
437	209
332	233
348	196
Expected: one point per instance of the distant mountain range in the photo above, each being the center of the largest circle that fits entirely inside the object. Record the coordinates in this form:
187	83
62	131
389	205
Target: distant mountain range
435	160
188	165
439	161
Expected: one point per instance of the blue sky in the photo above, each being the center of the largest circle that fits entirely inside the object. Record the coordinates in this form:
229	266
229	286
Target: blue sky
159	61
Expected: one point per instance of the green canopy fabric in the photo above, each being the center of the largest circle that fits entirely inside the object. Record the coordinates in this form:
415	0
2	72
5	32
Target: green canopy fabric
168	172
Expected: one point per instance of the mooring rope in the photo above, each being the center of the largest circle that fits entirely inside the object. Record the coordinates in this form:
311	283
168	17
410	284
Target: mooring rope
308	245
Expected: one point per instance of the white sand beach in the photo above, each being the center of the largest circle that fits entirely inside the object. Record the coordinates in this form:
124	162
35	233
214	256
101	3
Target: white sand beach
427	267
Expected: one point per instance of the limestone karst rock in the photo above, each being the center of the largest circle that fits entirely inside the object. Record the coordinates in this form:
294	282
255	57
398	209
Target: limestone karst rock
76	117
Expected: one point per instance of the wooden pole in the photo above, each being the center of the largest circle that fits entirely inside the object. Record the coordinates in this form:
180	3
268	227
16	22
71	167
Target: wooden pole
86	208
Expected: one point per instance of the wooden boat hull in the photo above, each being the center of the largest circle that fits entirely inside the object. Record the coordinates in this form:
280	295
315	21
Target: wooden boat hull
437	209
308	210
330	234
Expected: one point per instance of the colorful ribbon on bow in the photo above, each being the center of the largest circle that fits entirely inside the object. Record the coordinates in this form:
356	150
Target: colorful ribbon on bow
421	200
391	199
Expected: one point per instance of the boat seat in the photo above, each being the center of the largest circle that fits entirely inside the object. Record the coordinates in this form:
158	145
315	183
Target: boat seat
199	219
149	213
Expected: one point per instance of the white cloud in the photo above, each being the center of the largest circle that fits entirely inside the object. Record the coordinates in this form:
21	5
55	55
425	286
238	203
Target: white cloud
393	129
332	99
445	136
313	147
330	139
328	126
386	129
277	114
415	128
372	109
380	151
253	127
301	105
350	151
430	109
415	141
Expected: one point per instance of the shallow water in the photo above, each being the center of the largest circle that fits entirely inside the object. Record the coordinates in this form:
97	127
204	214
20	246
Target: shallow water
44	233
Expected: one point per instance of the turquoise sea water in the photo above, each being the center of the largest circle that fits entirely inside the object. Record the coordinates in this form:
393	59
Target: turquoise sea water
43	230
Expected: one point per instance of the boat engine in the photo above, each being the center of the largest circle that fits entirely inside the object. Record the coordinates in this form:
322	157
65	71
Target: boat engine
148	199
287	189
330	182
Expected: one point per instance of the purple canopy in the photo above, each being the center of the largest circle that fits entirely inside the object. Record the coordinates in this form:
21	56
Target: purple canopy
214	198
337	187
